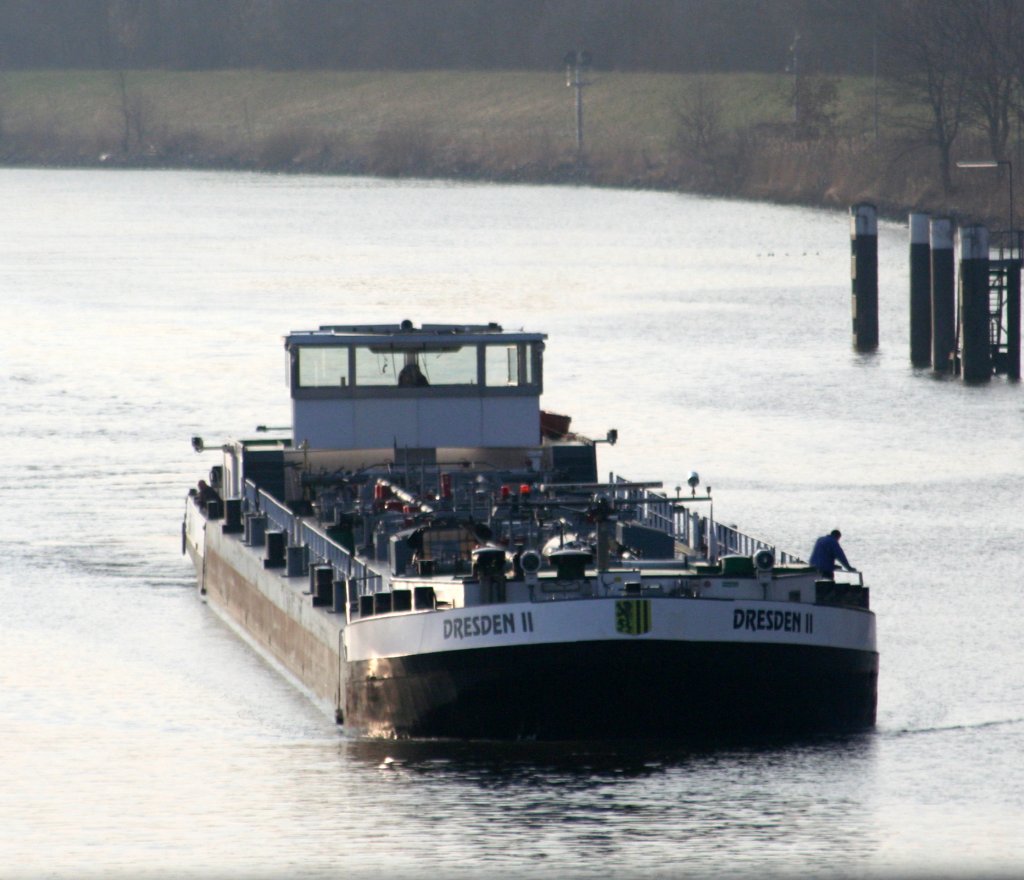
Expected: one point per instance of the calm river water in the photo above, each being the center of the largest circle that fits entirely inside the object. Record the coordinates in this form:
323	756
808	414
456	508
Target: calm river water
140	736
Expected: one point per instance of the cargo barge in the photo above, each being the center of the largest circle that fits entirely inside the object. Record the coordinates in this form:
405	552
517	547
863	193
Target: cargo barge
431	554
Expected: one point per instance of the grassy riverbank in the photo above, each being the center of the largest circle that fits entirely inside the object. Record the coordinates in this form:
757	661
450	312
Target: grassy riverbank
727	135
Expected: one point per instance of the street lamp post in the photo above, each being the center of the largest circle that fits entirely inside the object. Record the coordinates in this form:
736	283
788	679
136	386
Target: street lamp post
1008	330
997	163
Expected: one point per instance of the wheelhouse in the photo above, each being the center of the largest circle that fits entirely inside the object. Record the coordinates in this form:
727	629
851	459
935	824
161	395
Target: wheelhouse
397	386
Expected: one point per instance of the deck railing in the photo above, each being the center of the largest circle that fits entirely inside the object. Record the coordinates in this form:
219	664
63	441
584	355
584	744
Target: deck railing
345	564
689	527
701	534
322	548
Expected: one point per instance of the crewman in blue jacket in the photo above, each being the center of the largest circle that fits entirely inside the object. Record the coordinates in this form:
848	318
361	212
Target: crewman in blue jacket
826	553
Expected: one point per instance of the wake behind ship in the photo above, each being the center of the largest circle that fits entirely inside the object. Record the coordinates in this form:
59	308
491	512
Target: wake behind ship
432	555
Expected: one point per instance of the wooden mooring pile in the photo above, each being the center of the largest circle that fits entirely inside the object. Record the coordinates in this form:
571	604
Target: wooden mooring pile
964	322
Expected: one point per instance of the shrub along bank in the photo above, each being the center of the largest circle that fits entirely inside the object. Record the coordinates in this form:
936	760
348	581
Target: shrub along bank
736	135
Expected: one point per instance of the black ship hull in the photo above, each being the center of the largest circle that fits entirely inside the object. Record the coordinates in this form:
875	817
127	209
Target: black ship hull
616	690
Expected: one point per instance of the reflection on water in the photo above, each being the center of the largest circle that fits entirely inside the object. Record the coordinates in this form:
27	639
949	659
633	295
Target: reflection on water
514	762
647	807
140	735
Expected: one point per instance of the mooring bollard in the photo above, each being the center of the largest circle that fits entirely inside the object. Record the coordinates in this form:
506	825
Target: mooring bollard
920	292
864	275
232	517
322	584
255	534
976	347
943	294
296	560
275	543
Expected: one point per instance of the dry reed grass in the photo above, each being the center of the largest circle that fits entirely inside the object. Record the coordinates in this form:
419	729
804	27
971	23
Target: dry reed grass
485	125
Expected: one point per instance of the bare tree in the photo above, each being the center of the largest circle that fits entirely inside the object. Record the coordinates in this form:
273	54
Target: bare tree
134	114
1015	48
699	122
987	31
817	96
926	55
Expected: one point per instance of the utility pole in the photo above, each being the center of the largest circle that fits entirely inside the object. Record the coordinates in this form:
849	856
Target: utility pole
874	63
577	66
794	66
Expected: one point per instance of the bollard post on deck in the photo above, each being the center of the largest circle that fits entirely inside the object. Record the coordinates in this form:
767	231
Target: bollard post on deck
976	346
864	275
943	294
920	291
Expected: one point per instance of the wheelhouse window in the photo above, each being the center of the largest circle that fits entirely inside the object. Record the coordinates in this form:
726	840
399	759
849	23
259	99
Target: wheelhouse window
494	364
456	365
451	365
323	367
509	366
378	366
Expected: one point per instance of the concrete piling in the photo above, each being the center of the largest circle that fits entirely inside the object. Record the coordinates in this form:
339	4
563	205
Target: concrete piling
920	292
943	294
864	275
1012	365
964	320
976	345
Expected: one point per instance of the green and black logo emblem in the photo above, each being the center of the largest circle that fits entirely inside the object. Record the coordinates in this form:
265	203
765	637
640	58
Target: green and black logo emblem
633	616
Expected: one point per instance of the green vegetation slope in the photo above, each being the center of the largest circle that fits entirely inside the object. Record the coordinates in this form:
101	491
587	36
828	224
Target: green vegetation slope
725	134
